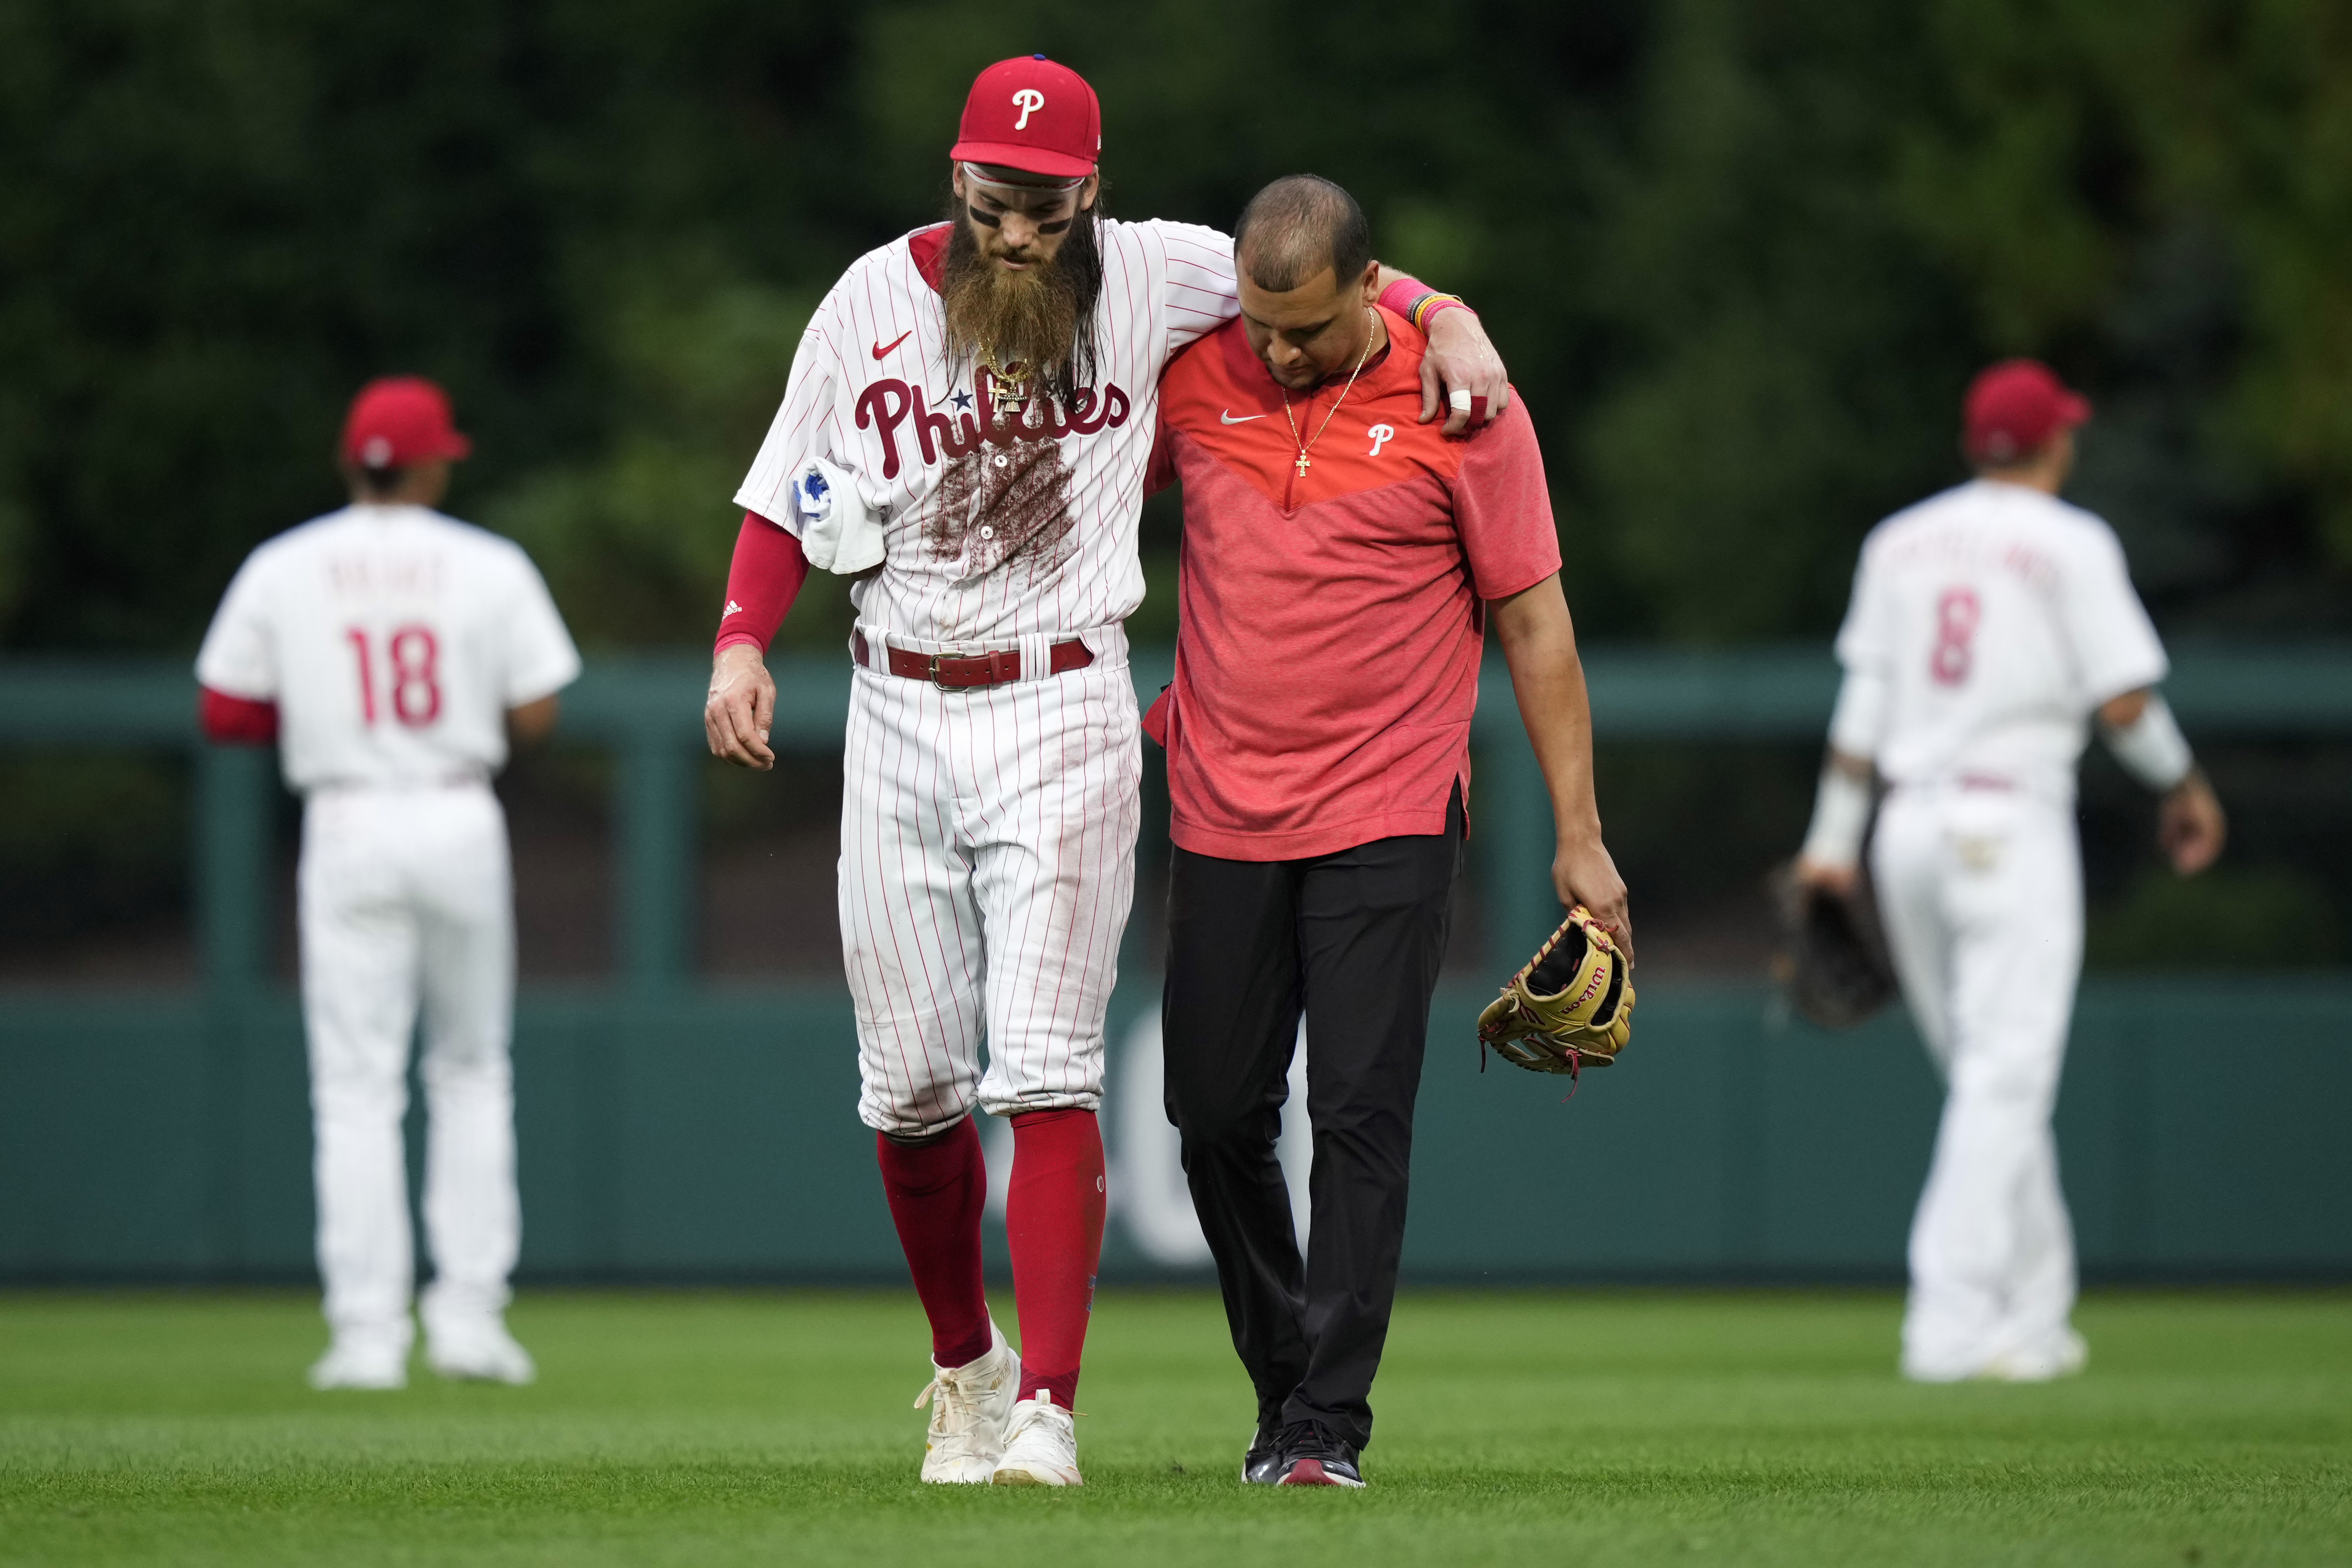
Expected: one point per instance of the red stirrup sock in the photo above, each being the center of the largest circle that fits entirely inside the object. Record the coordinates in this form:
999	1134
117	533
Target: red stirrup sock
1054	1219
938	1192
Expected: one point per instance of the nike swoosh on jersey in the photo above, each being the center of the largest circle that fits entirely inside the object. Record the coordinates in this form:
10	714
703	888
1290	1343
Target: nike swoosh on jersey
881	349
1226	415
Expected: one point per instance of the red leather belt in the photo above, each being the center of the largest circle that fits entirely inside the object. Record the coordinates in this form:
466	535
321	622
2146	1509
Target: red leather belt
966	671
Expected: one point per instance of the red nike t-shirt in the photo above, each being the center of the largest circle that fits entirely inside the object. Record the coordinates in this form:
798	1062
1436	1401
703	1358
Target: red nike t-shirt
1330	624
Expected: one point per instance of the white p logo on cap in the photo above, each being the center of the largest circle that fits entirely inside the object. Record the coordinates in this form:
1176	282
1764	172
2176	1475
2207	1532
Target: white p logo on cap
1028	100
377	453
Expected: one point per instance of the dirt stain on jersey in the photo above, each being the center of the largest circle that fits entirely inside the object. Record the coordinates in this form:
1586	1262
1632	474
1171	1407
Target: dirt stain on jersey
1002	505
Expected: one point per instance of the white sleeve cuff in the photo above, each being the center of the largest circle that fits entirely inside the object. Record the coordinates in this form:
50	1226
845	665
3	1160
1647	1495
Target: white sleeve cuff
1858	724
1840	815
2151	748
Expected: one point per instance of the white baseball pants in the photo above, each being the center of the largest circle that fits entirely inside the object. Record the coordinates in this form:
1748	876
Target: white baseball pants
1981	891
407	905
987	866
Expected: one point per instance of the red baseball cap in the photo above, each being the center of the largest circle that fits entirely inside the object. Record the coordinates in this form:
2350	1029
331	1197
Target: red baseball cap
2016	406
1031	114
397	420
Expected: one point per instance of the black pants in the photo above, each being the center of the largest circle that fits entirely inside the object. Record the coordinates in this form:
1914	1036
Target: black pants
1354	939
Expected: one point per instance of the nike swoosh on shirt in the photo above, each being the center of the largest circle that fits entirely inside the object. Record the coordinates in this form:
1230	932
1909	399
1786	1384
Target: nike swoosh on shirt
881	349
1226	415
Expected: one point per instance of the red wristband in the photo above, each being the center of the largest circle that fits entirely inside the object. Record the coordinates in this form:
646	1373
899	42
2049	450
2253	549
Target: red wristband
235	721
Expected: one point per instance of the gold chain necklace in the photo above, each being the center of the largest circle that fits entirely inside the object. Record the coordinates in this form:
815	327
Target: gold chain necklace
1303	445
1015	387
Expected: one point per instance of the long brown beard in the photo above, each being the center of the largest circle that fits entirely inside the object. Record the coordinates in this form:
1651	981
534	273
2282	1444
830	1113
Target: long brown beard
1043	316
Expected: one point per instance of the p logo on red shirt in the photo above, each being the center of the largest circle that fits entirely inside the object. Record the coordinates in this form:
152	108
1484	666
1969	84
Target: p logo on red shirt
1381	435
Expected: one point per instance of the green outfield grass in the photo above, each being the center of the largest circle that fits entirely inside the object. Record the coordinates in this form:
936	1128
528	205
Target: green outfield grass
1536	1427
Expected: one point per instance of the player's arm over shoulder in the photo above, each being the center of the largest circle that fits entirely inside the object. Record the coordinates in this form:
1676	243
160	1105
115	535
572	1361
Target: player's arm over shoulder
1194	266
1187	241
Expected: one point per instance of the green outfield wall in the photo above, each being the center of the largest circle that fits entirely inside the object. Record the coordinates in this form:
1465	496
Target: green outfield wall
714	1136
672	1127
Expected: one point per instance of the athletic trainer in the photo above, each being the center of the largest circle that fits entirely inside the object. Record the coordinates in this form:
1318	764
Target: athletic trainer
1990	625
1340	563
965	434
391	651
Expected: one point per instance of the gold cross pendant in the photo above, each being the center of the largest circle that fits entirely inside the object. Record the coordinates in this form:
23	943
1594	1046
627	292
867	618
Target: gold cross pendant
1302	465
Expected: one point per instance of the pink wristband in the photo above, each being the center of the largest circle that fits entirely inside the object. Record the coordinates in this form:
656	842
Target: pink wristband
1402	295
1417	302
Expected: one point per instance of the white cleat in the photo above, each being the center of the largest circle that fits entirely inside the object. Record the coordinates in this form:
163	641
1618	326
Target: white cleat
362	1363
2061	1355
478	1350
1041	1447
971	1407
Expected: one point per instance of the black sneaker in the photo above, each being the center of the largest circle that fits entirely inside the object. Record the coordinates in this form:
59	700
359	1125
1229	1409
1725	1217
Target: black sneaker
1314	1456
1262	1466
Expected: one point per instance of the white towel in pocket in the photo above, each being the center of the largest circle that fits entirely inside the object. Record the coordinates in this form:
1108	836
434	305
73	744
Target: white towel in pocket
839	532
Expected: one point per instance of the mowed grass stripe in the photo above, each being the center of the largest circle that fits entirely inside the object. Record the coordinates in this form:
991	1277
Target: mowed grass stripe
1567	1426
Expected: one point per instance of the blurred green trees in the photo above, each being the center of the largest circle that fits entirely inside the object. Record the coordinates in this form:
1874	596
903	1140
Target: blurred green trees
1742	259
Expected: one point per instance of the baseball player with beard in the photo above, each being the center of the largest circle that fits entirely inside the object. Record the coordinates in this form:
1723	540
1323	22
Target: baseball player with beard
964	433
392	651
1990	625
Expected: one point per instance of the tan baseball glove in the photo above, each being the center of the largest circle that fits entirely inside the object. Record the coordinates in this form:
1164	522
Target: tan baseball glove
1571	1006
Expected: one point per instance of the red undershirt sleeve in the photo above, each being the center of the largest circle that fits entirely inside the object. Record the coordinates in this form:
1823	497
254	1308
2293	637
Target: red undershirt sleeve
766	577
235	721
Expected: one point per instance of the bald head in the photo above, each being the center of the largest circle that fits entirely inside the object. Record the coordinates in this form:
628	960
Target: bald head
1303	261
1294	228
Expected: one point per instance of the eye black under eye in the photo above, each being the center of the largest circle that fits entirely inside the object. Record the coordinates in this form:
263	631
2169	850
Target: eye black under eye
990	219
1056	227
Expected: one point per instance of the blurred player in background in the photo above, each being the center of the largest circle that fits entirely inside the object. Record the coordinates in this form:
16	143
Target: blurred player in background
965	433
391	651
1990	625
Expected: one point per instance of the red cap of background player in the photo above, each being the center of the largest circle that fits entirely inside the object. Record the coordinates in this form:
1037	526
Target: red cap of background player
2017	406
1029	113
397	420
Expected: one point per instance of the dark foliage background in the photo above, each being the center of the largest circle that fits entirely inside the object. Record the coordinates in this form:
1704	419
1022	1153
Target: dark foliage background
1742	256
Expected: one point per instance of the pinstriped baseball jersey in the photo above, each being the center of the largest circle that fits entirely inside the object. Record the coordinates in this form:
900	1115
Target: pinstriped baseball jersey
991	530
